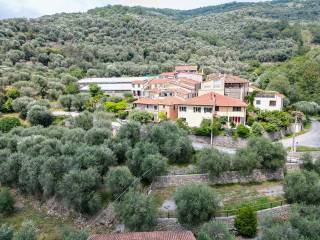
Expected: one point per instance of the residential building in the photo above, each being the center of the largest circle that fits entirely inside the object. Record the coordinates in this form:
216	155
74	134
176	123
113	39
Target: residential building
269	100
227	85
170	235
112	86
210	105
167	105
186	68
191	75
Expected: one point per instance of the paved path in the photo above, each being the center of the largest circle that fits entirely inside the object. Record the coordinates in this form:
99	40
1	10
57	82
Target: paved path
309	139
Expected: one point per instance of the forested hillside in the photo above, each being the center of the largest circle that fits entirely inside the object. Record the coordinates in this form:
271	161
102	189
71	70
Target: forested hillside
42	56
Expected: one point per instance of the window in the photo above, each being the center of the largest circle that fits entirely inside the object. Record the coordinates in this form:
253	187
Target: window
258	102
207	110
272	103
155	107
138	85
236	109
133	85
197	109
182	109
217	109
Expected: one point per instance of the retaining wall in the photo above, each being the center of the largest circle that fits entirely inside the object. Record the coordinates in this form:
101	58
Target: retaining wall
225	178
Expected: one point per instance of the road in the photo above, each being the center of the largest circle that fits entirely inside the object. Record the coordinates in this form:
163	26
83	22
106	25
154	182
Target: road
309	139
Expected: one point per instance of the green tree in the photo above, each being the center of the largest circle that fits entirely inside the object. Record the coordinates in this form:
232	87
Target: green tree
118	180
137	211
7	202
66	101
72	88
21	105
95	90
39	115
243	131
195	204
140	116
153	165
246	222
6	232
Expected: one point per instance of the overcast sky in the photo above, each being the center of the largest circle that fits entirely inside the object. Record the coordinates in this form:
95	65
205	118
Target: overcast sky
35	8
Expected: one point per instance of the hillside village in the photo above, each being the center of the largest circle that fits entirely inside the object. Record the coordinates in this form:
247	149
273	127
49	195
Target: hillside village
135	123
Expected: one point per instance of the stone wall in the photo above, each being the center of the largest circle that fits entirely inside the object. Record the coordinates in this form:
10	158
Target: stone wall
225	178
281	212
221	141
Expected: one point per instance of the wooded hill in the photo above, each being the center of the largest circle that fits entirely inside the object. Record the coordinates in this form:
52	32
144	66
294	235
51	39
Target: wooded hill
116	40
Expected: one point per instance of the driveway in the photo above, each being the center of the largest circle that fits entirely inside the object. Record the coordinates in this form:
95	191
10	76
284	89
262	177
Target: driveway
309	139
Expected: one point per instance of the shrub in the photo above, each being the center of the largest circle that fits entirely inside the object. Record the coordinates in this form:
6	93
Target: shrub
206	127
257	129
195	204
21	105
153	165
245	160
6	202
7	123
70	234
246	222
140	116
215	231
213	162
6	232
27	231
137	211
39	115
118	179
243	131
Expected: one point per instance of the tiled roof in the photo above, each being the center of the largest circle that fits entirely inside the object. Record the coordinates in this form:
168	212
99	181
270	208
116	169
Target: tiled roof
160	101
182	235
215	99
160	81
168	74
227	78
139	81
186	68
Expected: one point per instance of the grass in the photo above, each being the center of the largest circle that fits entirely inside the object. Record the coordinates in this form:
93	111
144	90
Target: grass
16	115
49	227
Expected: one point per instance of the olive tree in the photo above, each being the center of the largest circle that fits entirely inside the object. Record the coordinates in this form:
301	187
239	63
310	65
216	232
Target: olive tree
39	115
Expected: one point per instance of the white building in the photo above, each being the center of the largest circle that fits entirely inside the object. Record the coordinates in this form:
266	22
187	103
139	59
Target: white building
269	101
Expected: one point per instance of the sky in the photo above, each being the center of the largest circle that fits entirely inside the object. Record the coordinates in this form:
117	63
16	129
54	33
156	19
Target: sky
36	8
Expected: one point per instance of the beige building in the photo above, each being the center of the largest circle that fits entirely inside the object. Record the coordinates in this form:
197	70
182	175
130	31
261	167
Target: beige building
227	85
210	105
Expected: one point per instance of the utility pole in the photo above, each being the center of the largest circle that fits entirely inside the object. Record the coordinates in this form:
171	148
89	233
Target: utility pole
213	113
293	148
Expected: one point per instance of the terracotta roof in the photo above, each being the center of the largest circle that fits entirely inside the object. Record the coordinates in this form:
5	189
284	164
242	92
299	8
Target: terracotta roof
188	81
168	74
270	94
182	235
186	68
138	81
227	78
215	99
160	81
160	101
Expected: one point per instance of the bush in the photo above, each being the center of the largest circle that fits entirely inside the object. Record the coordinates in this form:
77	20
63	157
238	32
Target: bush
195	204
27	231
246	160
140	116
206	127
6	202
39	115
246	222
153	165
118	179
243	131
213	162
7	123
257	129
6	232
70	234
137	211
215	231
21	105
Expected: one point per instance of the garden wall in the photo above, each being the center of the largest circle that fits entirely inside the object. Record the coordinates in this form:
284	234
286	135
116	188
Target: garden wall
281	212
225	178
221	141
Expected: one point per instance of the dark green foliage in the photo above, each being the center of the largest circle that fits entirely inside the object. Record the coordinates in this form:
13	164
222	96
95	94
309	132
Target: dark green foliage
246	222
21	105
118	180
94	90
273	121
96	136
214	162
6	232
137	211
302	187
206	127
215	231
70	234
243	131
153	165
130	131
39	115
8	123
7	202
195	204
